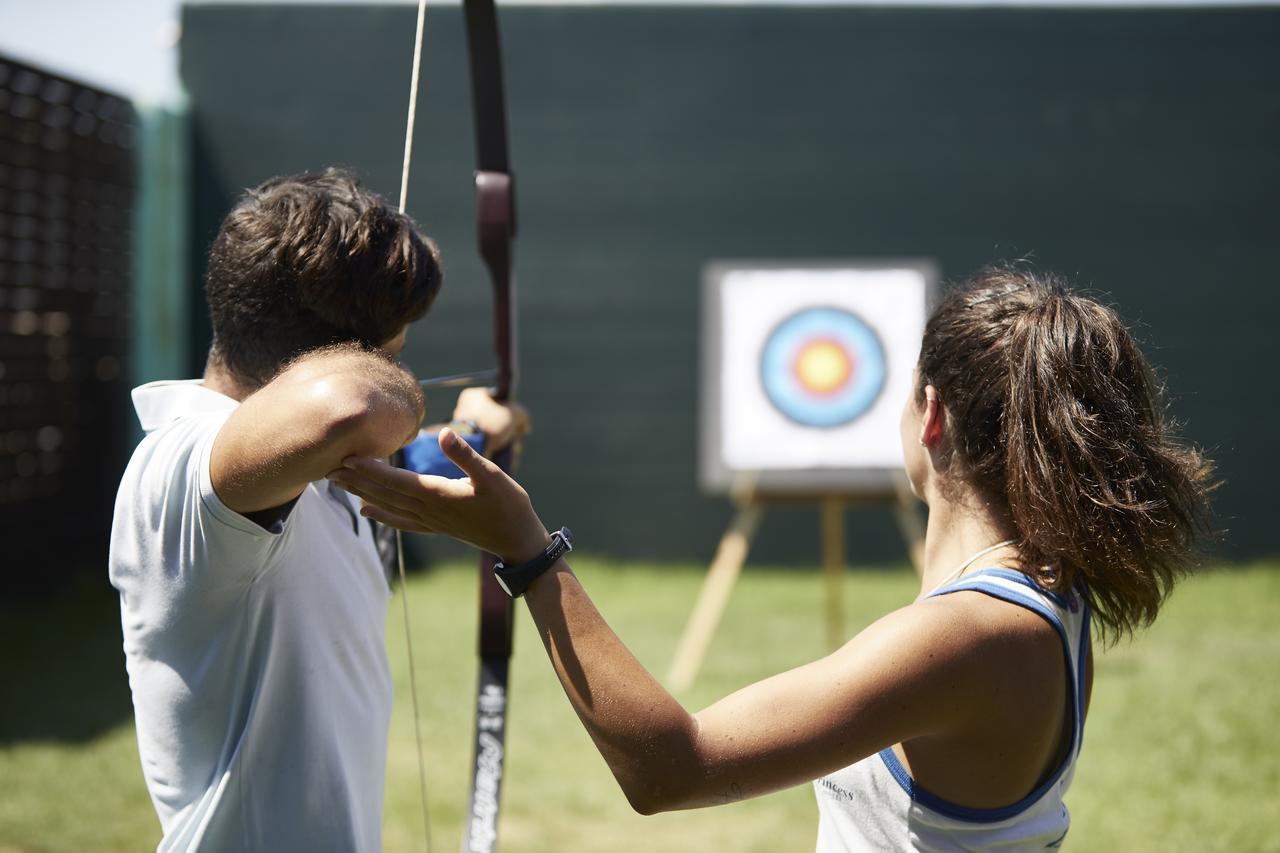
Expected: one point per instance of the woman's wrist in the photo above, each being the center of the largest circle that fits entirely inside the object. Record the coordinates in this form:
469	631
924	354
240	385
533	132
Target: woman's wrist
528	548
556	572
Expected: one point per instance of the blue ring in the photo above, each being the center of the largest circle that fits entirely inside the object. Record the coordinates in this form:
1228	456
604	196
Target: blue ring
847	404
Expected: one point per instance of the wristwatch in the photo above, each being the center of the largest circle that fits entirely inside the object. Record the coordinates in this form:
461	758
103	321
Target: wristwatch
514	580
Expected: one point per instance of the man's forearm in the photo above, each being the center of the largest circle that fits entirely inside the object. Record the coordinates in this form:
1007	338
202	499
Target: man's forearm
324	407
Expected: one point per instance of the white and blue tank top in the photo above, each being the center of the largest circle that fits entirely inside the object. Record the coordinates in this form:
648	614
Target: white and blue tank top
876	805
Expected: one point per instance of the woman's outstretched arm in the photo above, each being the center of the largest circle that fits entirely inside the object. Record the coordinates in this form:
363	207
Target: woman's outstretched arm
881	688
910	674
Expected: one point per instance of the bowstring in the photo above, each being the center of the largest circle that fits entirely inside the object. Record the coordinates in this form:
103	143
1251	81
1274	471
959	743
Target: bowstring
404	589
413	105
413	691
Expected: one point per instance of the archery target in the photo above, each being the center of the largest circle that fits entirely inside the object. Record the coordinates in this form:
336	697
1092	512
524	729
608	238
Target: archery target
806	370
822	367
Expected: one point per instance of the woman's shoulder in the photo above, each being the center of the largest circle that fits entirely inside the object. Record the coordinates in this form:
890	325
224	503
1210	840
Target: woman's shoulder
971	638
1008	646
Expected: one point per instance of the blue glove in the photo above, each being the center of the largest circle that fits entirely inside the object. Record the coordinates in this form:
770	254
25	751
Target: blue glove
423	455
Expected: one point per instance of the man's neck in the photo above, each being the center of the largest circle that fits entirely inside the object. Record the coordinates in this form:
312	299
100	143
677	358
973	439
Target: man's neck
218	379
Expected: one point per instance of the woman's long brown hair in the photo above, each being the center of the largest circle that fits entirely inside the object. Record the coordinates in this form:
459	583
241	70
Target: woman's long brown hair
1054	413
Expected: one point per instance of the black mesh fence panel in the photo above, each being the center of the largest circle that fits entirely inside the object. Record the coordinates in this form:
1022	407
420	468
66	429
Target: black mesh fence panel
66	201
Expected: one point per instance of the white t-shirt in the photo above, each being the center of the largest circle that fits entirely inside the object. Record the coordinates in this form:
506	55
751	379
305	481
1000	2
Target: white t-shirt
256	658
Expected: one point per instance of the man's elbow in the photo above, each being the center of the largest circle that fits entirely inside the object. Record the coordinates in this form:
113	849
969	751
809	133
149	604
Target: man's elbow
352	414
348	394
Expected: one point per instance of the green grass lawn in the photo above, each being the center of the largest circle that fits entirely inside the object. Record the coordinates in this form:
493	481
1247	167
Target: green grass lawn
1179	748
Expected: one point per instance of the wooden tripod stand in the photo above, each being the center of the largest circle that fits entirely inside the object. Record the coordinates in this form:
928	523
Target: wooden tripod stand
736	543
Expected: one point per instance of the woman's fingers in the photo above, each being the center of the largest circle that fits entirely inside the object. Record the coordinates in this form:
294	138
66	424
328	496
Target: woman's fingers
464	456
488	509
393	519
362	472
375	470
372	492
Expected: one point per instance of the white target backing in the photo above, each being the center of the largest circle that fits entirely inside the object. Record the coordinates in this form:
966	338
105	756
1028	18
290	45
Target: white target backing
805	371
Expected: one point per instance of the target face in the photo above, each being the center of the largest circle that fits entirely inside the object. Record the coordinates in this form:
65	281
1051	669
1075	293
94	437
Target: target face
823	367
806	368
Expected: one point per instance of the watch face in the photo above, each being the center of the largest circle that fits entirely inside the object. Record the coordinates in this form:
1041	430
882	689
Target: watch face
502	583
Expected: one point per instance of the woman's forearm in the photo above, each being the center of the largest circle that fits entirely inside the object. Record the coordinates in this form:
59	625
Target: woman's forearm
645	736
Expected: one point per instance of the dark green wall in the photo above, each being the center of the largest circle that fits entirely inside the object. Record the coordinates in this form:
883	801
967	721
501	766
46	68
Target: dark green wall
1133	150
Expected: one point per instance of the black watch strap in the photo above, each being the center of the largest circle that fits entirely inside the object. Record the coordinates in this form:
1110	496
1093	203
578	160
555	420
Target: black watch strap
514	580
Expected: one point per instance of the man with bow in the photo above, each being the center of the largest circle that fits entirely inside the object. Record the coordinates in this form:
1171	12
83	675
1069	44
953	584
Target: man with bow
252	596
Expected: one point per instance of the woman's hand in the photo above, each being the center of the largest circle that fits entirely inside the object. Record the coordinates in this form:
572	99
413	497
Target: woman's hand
487	509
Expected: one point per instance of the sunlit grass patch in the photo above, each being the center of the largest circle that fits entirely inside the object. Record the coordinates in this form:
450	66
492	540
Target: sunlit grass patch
1179	748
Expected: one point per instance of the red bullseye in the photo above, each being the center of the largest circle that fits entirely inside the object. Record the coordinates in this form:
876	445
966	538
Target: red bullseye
822	367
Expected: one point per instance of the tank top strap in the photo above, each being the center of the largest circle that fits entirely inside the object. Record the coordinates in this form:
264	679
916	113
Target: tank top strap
1067	612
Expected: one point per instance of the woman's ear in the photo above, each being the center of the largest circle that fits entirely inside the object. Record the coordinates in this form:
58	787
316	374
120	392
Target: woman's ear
931	419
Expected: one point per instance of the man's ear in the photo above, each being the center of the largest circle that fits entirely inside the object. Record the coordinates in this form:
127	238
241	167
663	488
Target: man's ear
931	419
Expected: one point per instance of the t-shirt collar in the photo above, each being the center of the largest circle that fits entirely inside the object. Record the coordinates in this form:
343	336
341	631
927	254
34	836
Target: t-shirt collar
160	403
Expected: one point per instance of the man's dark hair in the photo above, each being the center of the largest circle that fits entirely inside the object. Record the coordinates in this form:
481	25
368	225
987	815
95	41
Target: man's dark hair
311	260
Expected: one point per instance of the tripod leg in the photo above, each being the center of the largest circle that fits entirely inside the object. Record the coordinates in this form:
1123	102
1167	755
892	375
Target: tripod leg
833	568
722	575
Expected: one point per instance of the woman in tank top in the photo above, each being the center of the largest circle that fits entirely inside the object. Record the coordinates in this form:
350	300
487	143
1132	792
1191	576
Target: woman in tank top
1059	499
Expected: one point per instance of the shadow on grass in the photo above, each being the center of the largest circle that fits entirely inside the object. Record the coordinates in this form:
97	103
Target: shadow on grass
62	665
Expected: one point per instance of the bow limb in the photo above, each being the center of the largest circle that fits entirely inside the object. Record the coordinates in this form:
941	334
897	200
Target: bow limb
495	222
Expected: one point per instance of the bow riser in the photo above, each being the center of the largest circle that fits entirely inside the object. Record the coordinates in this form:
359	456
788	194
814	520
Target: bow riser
495	226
